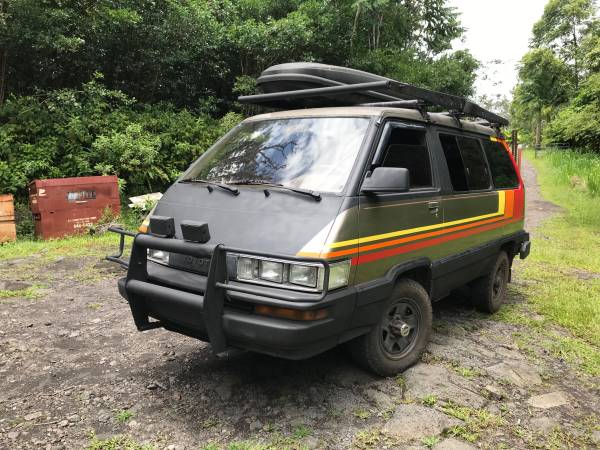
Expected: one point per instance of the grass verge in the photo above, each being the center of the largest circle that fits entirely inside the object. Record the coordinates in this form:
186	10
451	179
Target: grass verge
561	278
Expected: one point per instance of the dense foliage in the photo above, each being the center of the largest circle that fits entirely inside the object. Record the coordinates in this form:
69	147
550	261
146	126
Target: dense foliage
558	95
137	87
100	131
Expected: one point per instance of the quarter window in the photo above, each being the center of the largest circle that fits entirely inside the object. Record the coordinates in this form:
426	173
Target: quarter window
407	148
466	163
504	175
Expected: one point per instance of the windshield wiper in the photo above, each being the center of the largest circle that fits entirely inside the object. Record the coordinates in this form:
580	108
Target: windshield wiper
209	185
307	192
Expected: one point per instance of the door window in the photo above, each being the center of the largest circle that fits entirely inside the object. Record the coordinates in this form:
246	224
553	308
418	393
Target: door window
466	163
504	175
407	148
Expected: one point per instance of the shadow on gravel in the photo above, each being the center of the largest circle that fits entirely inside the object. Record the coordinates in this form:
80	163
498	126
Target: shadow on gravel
241	386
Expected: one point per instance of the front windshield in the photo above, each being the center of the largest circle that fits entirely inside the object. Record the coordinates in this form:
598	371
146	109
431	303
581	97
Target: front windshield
314	153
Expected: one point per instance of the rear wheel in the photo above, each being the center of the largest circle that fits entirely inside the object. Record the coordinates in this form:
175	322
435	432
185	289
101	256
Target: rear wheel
488	292
401	334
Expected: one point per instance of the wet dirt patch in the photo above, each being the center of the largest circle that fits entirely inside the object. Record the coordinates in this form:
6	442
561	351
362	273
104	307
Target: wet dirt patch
9	285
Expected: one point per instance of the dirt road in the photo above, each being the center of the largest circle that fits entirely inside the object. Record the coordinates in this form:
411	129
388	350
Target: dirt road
72	364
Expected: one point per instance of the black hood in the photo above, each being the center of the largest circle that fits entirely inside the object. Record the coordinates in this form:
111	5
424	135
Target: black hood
282	222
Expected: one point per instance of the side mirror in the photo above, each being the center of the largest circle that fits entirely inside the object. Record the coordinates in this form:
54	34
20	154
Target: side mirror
387	179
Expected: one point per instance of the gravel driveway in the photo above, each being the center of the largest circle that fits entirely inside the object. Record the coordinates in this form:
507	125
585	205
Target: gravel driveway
72	364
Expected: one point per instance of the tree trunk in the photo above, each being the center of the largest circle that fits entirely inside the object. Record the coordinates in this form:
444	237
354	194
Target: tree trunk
538	133
3	61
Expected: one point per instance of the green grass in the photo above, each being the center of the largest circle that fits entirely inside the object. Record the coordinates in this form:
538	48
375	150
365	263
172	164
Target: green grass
117	443
562	274
30	293
83	245
124	415
475	421
430	441
429	400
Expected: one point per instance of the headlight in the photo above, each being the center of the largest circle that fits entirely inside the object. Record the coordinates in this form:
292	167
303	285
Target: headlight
271	271
338	274
303	275
289	274
247	268
158	256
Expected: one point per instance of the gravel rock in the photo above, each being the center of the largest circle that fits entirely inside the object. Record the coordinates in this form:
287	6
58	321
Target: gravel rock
33	416
543	424
427	379
517	372
549	400
256	425
416	422
453	444
495	392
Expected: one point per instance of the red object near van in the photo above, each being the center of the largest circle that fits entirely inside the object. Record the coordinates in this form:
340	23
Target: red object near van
65	206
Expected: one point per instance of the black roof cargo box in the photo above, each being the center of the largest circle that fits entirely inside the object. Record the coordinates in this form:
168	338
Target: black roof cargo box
313	85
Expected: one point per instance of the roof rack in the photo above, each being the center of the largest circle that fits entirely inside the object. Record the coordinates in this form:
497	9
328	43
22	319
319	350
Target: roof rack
384	92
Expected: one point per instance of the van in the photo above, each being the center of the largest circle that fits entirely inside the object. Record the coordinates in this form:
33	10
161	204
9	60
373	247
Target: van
338	221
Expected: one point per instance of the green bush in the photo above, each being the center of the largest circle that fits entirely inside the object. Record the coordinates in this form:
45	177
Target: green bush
97	131
575	167
579	123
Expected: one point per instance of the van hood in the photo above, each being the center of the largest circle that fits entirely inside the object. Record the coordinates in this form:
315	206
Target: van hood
281	222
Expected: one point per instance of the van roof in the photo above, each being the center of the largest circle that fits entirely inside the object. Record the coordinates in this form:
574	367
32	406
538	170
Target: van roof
372	111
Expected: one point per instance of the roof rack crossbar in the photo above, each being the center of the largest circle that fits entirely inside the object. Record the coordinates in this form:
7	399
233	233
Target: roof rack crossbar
313	92
409	104
408	96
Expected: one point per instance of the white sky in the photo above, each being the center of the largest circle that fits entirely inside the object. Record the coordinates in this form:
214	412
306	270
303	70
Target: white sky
497	30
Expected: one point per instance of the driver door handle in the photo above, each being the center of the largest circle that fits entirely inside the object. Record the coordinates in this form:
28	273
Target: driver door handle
434	207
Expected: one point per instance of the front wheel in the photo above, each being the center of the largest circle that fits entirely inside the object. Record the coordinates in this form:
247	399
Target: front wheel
401	335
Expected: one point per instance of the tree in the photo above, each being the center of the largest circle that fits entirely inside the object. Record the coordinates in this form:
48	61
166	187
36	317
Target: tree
543	86
561	29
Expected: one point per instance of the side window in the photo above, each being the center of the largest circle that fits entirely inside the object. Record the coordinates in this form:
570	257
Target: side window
407	148
503	171
466	163
455	163
474	161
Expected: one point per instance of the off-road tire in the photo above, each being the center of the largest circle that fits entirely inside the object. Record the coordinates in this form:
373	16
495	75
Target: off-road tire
488	292
370	350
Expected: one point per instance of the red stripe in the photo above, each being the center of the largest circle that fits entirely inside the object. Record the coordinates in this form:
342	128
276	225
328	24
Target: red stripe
362	259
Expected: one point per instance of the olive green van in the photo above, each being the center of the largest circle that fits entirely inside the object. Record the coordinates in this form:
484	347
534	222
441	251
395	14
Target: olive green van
337	221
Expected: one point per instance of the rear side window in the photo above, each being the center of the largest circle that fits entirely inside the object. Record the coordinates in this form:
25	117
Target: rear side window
466	163
503	171
407	148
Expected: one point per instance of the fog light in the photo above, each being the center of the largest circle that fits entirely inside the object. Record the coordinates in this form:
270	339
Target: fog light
158	256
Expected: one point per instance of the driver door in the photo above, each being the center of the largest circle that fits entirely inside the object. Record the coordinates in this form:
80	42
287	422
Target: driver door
395	227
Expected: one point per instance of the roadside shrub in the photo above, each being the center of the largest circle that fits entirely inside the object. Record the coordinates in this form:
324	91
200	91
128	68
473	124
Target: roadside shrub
98	131
583	165
24	221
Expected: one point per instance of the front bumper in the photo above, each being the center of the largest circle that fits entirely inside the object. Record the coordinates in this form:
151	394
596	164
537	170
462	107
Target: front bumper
220	311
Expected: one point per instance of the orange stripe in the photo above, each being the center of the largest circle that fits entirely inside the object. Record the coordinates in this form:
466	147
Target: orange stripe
415	237
508	212
361	259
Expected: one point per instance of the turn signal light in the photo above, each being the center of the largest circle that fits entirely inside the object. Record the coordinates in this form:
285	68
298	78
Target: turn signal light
292	314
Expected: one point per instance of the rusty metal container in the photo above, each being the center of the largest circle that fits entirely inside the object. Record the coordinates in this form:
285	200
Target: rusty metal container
65	206
8	231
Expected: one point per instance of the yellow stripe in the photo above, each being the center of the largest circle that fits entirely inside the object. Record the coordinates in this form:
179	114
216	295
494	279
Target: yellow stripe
493	139
377	237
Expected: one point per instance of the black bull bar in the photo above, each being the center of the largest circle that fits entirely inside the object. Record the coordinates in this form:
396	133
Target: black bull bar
138	287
